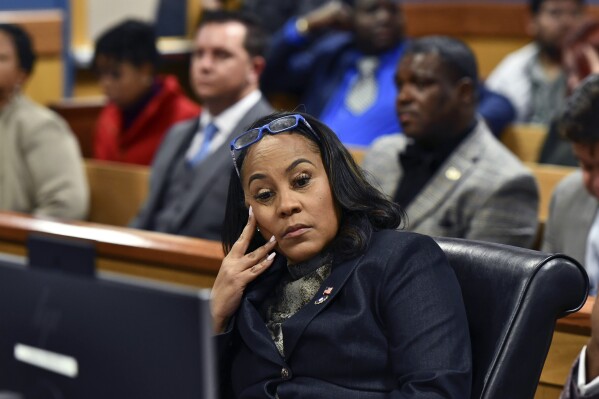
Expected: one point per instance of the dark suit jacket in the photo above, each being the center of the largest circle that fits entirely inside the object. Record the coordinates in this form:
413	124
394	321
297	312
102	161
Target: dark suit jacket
204	208
394	326
571	390
312	71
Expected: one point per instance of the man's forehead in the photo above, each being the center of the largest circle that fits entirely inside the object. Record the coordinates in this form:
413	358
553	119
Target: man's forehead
229	29
421	62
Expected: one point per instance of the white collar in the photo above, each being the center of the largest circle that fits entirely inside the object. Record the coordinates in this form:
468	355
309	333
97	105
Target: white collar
229	118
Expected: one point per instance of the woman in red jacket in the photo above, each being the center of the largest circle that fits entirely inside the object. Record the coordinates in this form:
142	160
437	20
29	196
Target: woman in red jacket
142	106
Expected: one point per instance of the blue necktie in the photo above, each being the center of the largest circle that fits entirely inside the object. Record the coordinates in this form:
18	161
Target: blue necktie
209	133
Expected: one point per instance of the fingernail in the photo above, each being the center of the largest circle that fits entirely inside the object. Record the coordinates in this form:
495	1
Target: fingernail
272	238
271	256
251	211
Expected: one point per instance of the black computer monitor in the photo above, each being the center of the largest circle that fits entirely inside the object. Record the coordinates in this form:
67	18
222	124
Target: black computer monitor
61	254
69	337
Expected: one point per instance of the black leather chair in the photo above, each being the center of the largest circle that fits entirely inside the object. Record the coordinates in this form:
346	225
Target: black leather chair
513	297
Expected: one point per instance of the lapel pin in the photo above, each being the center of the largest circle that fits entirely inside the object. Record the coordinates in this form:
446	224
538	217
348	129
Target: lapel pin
452	173
325	296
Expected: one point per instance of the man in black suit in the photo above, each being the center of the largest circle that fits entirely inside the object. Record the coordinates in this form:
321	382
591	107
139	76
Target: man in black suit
190	172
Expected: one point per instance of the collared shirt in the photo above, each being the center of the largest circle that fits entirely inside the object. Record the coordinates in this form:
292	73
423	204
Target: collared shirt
420	163
380	118
520	78
225	121
546	94
587	388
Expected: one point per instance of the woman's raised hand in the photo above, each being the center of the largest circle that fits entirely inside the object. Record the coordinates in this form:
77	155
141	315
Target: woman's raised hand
236	272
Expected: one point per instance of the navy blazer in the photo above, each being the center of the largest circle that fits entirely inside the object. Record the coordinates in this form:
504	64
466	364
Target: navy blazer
392	326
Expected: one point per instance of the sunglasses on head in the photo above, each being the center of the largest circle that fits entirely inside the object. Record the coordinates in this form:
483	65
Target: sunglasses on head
279	125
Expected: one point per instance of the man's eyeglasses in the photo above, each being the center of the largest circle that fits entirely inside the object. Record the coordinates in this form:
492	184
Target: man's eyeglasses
279	125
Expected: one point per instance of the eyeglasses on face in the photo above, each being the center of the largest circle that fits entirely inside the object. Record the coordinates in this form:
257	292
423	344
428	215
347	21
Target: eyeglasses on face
279	125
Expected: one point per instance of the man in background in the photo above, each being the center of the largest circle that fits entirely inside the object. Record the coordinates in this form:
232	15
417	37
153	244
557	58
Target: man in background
190	173
573	223
448	172
532	78
339	60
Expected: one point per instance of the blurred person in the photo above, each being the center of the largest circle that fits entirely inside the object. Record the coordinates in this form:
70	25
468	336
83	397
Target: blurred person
142	105
339	60
581	58
573	223
190	173
344	75
41	170
532	78
319	296
272	14
448	172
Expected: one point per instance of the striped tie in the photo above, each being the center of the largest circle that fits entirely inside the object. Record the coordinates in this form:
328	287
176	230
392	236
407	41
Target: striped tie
363	92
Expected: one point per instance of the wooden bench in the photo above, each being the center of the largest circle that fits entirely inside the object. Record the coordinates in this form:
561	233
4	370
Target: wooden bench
525	140
81	115
548	176
117	191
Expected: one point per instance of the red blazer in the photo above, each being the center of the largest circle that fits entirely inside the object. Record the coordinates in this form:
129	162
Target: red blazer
140	141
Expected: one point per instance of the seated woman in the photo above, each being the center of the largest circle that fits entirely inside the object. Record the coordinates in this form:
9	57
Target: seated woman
319	296
41	170
142	106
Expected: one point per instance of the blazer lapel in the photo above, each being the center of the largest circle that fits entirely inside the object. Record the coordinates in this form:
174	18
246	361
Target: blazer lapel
448	178
162	169
250	323
295	326
217	163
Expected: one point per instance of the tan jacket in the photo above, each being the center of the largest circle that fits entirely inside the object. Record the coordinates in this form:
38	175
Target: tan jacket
41	169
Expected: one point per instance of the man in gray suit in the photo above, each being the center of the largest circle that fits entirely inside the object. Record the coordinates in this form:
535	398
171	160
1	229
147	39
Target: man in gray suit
191	170
449	173
573	224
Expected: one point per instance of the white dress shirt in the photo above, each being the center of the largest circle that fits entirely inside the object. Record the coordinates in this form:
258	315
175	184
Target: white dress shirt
225	121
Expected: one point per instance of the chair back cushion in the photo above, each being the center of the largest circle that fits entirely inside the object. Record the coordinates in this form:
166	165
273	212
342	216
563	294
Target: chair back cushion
513	297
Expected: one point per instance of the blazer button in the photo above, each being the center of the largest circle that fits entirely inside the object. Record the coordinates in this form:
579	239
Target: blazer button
285	373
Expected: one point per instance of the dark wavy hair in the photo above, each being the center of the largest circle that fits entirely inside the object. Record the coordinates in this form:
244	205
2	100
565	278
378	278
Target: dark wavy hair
130	41
579	120
23	46
364	209
256	38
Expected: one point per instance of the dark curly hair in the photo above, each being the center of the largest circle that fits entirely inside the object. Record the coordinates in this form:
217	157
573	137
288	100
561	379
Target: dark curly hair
578	121
364	209
23	46
130	41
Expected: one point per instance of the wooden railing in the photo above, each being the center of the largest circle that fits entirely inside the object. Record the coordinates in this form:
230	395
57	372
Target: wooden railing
117	191
183	260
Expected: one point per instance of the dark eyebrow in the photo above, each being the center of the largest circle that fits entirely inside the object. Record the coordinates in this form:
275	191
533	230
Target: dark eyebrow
258	176
297	162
